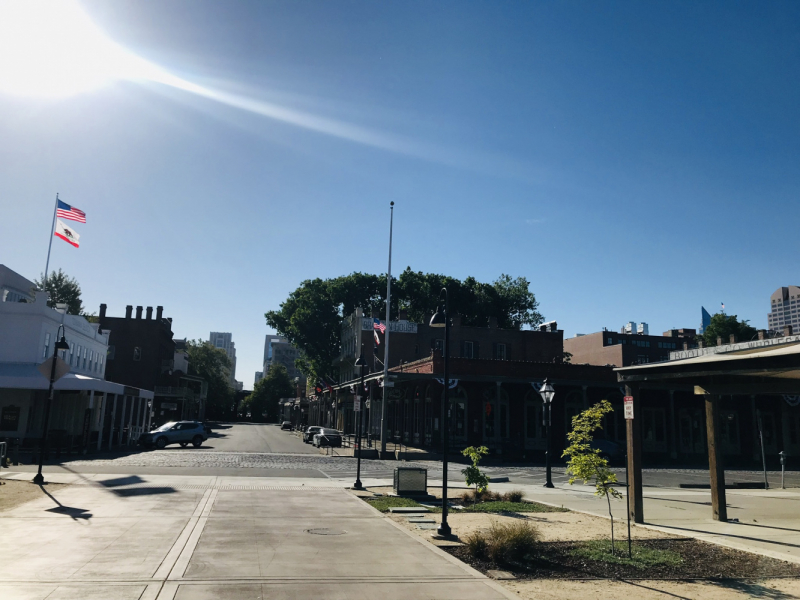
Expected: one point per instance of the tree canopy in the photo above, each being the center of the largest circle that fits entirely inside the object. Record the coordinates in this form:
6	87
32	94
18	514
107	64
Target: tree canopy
311	317
213	365
63	289
723	326
262	403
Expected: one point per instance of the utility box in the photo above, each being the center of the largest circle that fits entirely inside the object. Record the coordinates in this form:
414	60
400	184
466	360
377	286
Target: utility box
410	481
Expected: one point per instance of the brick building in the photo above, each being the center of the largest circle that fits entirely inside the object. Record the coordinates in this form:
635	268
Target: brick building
624	349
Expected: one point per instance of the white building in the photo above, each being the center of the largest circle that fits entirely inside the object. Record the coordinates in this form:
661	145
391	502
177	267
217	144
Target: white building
86	408
785	309
224	341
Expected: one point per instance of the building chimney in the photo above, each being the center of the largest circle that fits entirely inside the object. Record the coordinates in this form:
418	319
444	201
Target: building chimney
685	345
159	312
138	312
492	322
128	311
403	316
719	340
732	338
103	311
149	313
787	330
762	334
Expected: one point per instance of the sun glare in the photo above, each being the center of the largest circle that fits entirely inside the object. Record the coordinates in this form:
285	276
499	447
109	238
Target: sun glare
50	48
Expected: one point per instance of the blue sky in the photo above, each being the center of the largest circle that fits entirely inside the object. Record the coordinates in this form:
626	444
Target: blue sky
633	160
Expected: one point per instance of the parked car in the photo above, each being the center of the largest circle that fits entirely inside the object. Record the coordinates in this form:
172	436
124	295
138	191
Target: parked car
308	434
608	449
175	432
286	425
327	437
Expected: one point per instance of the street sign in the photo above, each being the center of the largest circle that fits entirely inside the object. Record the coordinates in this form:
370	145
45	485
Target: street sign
628	400
357	404
62	368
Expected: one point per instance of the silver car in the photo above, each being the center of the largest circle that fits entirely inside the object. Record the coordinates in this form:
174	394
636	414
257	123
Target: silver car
175	432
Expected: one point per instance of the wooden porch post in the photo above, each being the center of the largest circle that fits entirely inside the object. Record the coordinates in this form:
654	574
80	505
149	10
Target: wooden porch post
634	439
715	464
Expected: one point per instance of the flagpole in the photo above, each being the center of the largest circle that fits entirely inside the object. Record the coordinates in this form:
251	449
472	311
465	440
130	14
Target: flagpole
386	338
50	247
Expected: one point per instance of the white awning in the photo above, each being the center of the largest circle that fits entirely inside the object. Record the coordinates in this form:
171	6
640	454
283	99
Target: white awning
25	376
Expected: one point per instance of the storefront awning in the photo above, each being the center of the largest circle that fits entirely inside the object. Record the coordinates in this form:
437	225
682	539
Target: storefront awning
25	376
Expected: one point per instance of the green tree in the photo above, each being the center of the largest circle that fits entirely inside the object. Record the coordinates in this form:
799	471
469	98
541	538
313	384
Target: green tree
472	474
263	401
587	463
213	365
63	289
723	326
311	317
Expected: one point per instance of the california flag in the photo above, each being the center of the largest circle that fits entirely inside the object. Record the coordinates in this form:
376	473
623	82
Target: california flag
67	234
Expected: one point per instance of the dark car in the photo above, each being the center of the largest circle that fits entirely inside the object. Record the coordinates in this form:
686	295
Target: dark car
286	425
608	449
327	437
308	434
175	432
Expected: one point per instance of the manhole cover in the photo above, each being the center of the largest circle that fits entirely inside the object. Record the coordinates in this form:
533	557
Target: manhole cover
326	531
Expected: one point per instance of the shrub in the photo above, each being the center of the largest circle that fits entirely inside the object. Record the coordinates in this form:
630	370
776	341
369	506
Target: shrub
476	544
513	496
505	544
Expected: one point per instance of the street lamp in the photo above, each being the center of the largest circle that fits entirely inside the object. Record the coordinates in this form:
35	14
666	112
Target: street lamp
361	364
547	392
59	345
442	319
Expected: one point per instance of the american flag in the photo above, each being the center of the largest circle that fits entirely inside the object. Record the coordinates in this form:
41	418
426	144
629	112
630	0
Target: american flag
379	326
65	211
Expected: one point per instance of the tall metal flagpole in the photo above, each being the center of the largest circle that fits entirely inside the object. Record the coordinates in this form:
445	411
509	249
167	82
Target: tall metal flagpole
386	339
52	231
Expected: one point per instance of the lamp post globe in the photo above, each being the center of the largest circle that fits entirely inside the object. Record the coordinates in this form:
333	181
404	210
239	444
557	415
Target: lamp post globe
441	318
547	392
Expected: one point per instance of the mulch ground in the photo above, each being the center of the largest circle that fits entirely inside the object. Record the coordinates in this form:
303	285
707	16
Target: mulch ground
699	560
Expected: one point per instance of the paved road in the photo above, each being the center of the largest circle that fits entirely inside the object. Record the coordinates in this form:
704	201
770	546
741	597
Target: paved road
255	437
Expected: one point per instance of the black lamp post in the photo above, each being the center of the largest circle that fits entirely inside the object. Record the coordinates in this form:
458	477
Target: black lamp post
547	393
59	345
442	319
361	364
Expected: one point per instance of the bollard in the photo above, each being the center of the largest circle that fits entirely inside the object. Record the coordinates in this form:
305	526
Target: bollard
782	454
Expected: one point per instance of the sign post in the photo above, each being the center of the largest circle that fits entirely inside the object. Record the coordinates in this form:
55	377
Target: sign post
628	404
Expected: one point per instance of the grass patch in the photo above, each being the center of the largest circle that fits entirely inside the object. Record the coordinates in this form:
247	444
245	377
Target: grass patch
501	506
643	556
384	503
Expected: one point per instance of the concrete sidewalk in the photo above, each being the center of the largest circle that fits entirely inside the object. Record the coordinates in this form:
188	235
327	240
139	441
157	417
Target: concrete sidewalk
193	538
768	520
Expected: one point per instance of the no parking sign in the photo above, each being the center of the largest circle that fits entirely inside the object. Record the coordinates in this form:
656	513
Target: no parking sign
628	403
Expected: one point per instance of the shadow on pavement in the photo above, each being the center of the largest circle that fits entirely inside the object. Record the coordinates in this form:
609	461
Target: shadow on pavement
70	511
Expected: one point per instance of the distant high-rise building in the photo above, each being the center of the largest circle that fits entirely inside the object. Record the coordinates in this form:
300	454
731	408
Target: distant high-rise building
632	327
278	350
224	341
785	306
259	376
705	320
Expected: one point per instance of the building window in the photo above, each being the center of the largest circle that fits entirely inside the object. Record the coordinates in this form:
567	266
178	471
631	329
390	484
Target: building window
71	352
137	353
85	353
46	345
438	345
468	350
610	341
501	352
91	360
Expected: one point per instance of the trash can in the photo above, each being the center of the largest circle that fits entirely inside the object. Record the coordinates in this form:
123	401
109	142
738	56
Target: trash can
410	481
